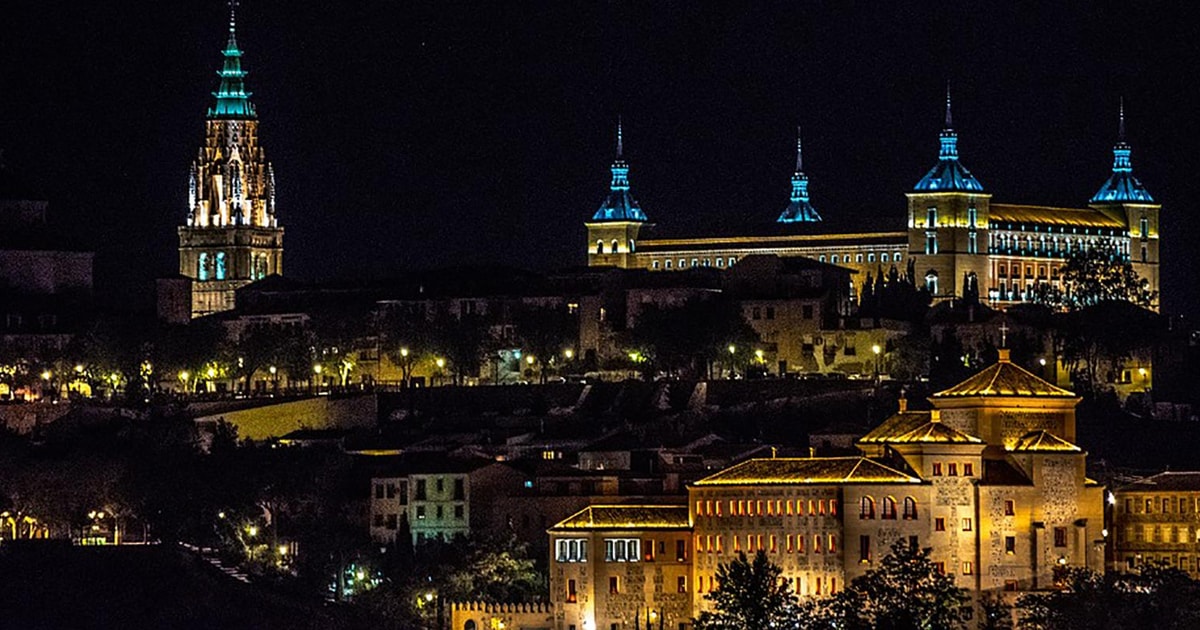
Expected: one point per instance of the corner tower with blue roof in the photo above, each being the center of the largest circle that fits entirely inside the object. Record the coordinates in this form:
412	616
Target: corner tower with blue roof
231	237
613	230
799	210
1125	199
948	220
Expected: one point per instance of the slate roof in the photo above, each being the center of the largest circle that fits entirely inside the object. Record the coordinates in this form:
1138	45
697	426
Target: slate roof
1169	481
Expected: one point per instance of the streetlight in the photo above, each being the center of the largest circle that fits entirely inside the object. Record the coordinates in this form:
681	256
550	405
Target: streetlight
876	349
569	354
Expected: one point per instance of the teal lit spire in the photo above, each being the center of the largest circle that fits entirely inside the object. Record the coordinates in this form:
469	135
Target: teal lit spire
233	101
620	205
949	175
1122	186
799	210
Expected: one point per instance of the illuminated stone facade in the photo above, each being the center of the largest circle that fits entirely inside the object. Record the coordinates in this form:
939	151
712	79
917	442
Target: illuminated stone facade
953	235
988	479
231	237
1157	519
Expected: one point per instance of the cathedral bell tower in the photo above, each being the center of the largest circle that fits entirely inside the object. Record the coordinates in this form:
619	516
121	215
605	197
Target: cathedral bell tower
614	228
231	237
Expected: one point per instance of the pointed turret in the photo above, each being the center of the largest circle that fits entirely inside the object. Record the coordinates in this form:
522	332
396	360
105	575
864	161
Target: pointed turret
620	205
799	210
233	101
949	175
1122	186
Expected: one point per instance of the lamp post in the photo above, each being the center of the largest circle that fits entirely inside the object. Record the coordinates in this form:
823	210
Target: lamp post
440	363
876	349
317	369
732	352
274	379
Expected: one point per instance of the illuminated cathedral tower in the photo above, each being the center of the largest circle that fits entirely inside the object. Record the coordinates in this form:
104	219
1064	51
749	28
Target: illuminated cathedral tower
231	238
613	230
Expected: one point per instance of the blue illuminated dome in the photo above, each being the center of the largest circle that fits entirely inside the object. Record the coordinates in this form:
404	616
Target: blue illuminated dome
1122	186
620	205
799	210
948	175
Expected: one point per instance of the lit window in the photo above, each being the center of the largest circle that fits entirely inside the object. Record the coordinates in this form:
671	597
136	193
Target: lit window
654	265
220	266
939	524
966	524
910	508
202	267
1010	507
968	568
866	508
1010	545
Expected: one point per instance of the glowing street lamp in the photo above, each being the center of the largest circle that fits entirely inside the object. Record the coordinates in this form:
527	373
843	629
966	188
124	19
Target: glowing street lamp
569	354
441	363
46	374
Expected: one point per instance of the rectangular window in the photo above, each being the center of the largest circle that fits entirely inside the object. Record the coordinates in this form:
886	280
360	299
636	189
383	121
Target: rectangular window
952	470
613	585
937	469
420	511
391	491
1060	536
864	549
968	568
378	522
966	524
968	469
1011	586
1010	507
622	549
832	543
459	512
378	491
420	490
1010	545
572	594
940	566
570	550
939	524
931	217
460	490
439	512
681	584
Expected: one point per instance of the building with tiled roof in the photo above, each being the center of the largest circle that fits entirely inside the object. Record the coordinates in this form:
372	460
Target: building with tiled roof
1156	519
951	232
988	479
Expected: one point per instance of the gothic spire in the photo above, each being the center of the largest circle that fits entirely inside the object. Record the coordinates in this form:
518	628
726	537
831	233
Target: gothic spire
1122	186
799	210
233	101
949	119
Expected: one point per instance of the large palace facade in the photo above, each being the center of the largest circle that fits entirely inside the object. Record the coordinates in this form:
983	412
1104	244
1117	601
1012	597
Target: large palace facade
231	237
952	235
989	479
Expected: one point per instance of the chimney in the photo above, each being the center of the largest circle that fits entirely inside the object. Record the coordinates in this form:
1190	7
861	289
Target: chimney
935	415
903	402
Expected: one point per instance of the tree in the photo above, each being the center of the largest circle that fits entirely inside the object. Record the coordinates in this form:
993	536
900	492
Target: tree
1097	274
545	333
687	339
1157	597
906	592
751	596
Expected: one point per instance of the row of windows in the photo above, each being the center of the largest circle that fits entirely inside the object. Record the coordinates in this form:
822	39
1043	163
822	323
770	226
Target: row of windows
616	246
753	543
815	586
951	469
696	262
617	550
866	509
1163	534
1163	505
210	266
776	507
459	512
858	258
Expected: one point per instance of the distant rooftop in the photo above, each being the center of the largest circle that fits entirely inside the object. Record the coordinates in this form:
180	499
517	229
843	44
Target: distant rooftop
807	470
620	517
1004	378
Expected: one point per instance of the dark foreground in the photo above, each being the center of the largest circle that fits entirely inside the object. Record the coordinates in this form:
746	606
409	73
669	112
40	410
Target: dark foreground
63	587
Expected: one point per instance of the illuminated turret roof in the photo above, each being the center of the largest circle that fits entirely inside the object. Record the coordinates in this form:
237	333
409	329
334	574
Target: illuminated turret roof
1122	186
233	101
935	432
624	517
807	470
1044	441
949	175
1004	378
799	210
620	205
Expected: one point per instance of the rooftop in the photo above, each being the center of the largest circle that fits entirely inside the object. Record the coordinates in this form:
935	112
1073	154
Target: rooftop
1043	215
1044	441
807	470
895	426
1169	481
627	517
935	432
1004	378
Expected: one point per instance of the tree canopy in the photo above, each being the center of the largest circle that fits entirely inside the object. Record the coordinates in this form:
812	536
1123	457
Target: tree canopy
751	596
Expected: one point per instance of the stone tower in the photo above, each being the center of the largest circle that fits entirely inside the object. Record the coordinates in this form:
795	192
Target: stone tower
231	237
614	228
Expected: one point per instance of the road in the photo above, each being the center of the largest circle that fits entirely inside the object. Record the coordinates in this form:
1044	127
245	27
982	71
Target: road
80	588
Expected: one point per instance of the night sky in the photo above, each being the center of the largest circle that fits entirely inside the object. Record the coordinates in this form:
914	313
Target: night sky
419	134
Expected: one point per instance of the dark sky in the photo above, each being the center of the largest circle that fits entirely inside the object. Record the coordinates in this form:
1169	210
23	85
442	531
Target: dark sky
419	134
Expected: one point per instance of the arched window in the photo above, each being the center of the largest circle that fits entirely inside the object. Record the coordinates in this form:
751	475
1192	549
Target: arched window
220	275
931	282
910	509
871	257
654	264
631	246
866	508
858	258
889	508
667	263
599	247
883	257
732	260
470	625
834	259
615	245
202	267
821	258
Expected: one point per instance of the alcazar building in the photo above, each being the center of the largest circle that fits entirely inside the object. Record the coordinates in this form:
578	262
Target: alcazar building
952	233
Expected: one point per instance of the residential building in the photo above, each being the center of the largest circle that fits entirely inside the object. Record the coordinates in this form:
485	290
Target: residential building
1156	519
